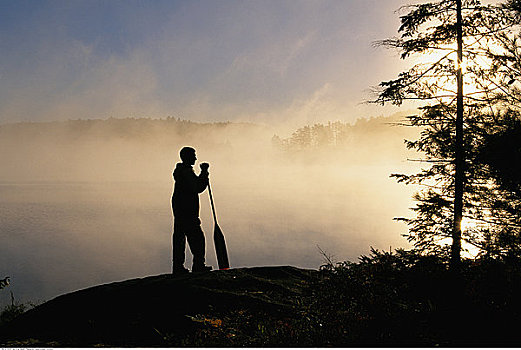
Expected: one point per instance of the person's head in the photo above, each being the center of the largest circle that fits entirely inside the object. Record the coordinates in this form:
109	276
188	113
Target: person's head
187	155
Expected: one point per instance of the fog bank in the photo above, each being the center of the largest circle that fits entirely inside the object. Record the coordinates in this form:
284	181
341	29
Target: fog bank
88	202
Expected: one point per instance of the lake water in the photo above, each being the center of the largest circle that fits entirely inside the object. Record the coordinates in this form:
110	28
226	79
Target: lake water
60	237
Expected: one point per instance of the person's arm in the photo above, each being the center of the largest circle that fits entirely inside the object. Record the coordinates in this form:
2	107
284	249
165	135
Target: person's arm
202	179
188	181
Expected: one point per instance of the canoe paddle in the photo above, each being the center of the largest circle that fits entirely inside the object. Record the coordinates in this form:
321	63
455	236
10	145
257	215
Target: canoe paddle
218	239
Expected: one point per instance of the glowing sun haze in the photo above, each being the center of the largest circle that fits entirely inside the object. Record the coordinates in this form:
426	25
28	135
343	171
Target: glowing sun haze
260	61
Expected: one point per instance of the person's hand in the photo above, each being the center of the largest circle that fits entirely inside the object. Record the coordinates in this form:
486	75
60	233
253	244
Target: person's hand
204	166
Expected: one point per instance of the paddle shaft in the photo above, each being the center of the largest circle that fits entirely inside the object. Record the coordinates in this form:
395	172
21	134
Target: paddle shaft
218	238
211	202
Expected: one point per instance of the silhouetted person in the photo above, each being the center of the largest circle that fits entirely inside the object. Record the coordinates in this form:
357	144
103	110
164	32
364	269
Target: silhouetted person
185	206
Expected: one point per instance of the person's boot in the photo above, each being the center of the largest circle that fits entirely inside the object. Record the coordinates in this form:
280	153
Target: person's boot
180	271
201	268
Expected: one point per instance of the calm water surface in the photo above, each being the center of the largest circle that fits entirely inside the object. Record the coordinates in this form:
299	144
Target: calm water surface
60	237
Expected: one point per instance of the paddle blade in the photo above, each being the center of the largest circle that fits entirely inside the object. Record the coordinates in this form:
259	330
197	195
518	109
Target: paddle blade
220	248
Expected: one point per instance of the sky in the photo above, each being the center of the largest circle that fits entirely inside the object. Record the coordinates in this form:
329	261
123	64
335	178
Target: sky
270	61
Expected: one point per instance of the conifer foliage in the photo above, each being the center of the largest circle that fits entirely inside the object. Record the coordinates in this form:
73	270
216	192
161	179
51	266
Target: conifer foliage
466	77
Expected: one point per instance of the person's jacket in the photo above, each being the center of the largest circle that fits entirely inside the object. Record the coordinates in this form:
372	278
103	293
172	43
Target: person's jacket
188	185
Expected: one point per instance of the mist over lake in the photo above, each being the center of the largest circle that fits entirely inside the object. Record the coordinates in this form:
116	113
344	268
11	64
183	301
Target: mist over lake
81	206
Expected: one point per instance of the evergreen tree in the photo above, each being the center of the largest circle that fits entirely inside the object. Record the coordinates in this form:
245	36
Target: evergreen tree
465	77
499	155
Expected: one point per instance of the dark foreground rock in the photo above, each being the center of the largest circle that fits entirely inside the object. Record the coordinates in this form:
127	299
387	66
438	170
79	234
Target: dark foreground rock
164	310
386	299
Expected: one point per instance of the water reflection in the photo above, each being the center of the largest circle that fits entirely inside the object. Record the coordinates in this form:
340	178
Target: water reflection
59	237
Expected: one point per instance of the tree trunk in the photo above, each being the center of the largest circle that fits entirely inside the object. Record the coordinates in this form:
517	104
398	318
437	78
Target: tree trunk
459	152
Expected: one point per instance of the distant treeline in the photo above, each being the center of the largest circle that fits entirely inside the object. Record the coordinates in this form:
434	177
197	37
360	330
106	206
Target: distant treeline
131	148
81	150
339	134
307	137
128	128
317	135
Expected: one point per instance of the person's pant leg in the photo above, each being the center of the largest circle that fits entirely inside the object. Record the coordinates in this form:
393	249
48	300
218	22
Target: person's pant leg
178	246
196	241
